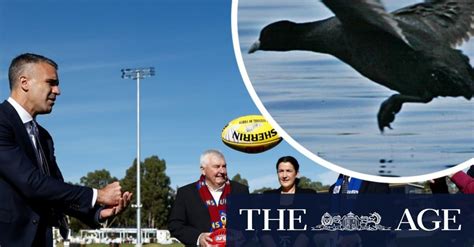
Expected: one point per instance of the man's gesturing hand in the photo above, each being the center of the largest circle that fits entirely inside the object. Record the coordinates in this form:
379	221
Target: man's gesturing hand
111	211
110	195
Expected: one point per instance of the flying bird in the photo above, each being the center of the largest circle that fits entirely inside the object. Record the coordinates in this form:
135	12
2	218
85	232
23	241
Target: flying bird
411	50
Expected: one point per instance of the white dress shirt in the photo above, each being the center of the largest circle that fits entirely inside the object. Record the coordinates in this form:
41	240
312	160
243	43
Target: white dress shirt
216	193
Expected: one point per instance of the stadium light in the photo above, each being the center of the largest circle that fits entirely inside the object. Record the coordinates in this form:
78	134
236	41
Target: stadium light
137	74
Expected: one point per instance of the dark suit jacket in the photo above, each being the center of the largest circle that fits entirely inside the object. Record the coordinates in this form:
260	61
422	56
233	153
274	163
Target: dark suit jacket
369	188
298	190
190	217
27	197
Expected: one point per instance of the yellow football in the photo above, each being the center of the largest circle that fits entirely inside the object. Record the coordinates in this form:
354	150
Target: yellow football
250	134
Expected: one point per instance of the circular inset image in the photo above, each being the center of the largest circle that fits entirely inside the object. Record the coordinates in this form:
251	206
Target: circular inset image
380	91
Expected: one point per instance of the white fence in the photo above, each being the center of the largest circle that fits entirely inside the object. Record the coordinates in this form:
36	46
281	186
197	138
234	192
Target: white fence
120	235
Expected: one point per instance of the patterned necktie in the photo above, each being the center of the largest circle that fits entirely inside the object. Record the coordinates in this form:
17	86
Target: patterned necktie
33	132
345	184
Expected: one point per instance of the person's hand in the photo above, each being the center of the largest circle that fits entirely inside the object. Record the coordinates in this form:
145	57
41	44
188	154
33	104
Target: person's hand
111	211
204	239
110	195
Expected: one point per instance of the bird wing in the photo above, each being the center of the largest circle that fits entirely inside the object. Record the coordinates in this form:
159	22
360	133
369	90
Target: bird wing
448	20
365	15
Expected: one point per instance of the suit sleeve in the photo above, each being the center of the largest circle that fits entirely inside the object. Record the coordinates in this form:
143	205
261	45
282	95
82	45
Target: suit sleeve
238	188
178	225
21	173
90	218
246	190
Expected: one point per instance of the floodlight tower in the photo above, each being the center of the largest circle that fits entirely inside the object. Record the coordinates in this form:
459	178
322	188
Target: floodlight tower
137	74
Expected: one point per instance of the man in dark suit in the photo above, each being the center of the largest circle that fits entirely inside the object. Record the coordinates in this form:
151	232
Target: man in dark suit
200	207
33	196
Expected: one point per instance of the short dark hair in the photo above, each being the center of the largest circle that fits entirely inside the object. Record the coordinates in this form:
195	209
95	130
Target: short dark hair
291	160
18	64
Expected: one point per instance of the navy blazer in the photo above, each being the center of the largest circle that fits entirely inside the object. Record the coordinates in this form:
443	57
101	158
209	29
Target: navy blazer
27	197
190	217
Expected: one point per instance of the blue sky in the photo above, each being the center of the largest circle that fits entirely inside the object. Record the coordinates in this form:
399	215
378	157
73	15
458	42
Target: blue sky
196	91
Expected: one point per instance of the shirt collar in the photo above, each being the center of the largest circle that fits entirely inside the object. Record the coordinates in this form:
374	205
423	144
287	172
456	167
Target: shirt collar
24	115
220	189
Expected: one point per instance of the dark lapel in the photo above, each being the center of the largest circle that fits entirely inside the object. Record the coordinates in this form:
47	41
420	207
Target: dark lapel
20	133
48	148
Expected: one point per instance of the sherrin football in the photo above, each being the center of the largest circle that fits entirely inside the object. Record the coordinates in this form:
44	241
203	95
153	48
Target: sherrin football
250	134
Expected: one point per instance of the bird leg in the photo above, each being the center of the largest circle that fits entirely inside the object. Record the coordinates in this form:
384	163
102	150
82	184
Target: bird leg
393	105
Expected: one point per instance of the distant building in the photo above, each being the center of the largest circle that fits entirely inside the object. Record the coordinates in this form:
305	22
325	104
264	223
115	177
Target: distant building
120	235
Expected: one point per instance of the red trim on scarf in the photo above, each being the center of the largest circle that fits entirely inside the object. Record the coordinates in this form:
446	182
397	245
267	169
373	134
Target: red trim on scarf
218	213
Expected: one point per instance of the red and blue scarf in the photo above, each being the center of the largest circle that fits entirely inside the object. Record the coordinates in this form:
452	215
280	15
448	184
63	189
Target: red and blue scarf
217	210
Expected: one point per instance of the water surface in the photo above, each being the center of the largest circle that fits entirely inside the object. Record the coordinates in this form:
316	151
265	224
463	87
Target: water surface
330	109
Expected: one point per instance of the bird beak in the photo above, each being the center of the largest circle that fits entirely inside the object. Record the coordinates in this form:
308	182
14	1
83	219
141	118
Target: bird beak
255	47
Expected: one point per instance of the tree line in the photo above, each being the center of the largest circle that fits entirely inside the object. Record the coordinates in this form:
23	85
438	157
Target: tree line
157	196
